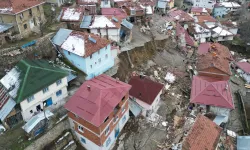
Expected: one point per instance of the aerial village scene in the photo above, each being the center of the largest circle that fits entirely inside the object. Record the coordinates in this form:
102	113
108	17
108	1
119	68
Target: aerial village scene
124	75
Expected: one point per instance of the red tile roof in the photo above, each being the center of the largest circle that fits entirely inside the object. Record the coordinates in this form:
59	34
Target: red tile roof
204	135
218	57
199	9
95	104
17	6
180	30
89	46
144	89
206	18
245	66
211	91
180	16
114	12
220	49
203	48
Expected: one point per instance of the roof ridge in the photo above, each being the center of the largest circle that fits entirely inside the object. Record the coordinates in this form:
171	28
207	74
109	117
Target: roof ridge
221	94
47	69
24	81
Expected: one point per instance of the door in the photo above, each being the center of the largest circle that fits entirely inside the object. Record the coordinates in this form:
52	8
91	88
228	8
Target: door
48	102
38	107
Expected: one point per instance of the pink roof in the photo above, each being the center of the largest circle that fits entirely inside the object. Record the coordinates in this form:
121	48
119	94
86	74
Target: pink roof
199	9
180	30
211	91
180	16
245	66
203	48
95	104
114	12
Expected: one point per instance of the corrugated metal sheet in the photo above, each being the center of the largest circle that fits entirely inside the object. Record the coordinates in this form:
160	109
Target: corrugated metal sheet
6	109
86	21
127	24
219	119
161	4
35	120
5	27
61	36
243	142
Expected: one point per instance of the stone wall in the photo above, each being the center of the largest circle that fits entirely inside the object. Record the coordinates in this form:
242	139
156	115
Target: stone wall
42	49
50	136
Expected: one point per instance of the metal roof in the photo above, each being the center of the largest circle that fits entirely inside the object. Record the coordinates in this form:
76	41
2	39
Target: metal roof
243	142
36	119
61	36
6	109
5	27
127	24
86	21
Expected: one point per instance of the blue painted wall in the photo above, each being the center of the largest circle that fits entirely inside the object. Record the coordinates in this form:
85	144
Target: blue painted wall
219	11
99	63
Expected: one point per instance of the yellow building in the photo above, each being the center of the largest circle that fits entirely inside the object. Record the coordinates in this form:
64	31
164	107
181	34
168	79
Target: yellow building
25	15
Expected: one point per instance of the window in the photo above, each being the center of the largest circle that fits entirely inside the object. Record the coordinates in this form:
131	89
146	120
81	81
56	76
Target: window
108	142
123	109
25	26
99	52
31	98
90	66
98	30
21	16
83	140
106	2
59	93
90	56
30	12
107	131
124	119
31	111
45	89
80	128
58	82
106	56
69	52
115	119
95	62
99	60
106	119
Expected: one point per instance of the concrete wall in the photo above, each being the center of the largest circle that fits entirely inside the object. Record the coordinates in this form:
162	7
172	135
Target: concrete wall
146	107
204	3
105	5
92	66
219	11
202	37
220	111
48	137
40	97
113	34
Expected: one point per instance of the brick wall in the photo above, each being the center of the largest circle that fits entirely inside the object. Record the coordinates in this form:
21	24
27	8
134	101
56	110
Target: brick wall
99	137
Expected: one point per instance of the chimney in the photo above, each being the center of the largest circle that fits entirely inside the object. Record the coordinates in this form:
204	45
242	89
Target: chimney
88	87
117	79
226	88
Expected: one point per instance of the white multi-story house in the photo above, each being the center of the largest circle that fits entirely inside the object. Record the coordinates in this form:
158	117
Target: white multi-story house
200	33
145	93
204	3
106	26
36	85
